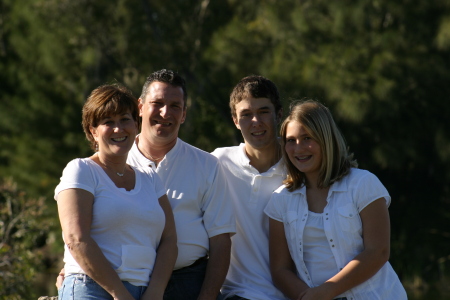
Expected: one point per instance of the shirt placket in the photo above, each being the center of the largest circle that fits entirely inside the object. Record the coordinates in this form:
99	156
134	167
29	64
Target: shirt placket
256	186
303	217
328	220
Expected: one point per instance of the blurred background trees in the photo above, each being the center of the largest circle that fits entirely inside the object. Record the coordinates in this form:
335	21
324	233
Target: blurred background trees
383	68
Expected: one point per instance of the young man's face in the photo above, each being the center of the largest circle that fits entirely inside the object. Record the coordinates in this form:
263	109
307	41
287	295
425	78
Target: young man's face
162	112
257	120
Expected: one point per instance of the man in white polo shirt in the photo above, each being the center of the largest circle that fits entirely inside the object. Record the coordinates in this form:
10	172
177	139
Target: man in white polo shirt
196	187
254	170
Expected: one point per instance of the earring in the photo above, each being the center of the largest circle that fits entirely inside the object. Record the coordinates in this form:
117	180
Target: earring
96	147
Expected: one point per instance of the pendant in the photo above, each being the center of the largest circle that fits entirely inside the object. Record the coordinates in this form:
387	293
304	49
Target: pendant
120	174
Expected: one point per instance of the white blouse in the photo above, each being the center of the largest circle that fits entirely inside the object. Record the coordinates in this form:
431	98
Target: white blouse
343	230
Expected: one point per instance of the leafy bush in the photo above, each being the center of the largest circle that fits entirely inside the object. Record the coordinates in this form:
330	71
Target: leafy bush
23	232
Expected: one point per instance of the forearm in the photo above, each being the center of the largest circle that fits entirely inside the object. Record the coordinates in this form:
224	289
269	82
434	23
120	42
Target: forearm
360	269
165	260
218	264
288	283
375	219
91	259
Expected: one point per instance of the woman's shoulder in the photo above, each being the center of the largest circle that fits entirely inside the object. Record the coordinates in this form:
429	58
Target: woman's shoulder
79	164
360	175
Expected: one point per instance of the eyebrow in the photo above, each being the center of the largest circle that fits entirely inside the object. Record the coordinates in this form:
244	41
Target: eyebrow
259	108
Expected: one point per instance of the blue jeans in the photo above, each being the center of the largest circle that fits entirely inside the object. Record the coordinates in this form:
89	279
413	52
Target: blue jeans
81	287
186	283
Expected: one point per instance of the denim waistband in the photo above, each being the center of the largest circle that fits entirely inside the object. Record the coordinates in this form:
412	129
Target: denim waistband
196	263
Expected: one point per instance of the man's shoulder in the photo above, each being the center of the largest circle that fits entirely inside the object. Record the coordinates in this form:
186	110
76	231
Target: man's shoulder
191	152
223	152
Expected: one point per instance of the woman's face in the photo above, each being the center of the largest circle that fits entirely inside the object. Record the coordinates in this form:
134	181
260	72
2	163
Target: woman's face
303	151
115	134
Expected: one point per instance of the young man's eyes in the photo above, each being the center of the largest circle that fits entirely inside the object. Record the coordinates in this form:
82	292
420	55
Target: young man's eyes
247	115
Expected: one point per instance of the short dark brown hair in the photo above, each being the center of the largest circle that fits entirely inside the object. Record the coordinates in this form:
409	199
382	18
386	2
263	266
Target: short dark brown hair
257	87
167	76
105	101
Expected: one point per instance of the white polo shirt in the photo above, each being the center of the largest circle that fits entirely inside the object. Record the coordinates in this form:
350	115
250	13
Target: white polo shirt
198	193
249	273
342	227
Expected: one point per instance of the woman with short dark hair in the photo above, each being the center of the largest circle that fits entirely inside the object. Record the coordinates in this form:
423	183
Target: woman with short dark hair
118	227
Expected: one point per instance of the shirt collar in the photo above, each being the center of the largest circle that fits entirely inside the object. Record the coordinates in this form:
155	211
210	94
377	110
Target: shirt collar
339	186
244	161
169	155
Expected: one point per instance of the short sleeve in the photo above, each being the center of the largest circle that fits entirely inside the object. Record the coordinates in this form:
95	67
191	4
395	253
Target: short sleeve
368	189
218	216
158	185
274	208
76	175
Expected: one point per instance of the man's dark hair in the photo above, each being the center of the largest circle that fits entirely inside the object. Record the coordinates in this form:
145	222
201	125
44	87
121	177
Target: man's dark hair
257	87
167	76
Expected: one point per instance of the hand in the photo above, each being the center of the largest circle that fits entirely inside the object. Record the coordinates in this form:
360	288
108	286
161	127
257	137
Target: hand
60	279
316	293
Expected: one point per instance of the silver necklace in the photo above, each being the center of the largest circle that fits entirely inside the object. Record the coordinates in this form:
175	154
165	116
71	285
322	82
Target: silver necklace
118	173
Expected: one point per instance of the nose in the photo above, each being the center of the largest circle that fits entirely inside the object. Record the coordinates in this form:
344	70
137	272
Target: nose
163	111
255	120
118	127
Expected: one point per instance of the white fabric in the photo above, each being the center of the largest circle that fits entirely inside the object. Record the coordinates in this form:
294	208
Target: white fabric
318	257
343	228
126	225
199	196
249	273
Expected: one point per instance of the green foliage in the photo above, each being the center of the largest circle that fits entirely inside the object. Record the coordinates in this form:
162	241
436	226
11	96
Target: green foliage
381	66
23	230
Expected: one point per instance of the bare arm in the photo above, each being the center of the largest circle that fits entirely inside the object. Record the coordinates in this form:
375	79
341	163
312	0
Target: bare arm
216	271
376	235
282	267
166	255
75	215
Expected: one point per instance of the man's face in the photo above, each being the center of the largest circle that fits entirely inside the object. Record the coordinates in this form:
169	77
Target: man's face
162	112
257	120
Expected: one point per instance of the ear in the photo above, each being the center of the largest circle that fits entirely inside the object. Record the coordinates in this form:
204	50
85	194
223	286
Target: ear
279	116
93	131
140	106
236	122
183	118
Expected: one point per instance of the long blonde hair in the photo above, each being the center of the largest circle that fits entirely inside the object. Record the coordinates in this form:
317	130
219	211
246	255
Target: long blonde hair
336	161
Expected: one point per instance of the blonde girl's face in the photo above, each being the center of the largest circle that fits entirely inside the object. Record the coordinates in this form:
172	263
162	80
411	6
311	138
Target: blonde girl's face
303	151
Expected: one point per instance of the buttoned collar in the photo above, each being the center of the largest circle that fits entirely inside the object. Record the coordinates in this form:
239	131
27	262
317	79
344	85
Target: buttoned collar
167	158
339	186
244	161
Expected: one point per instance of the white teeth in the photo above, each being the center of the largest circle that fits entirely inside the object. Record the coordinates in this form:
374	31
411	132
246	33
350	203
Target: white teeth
119	139
163	123
303	157
258	133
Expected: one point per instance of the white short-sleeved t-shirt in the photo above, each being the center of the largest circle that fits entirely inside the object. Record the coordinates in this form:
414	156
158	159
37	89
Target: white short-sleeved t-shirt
126	225
198	193
249	274
342	227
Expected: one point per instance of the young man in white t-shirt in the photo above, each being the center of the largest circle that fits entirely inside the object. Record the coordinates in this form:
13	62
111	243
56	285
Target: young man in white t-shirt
254	170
